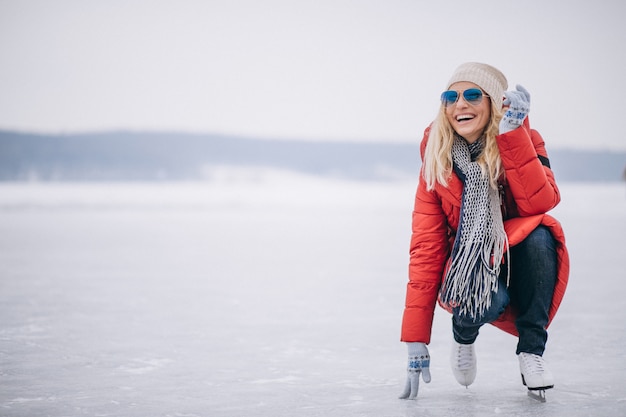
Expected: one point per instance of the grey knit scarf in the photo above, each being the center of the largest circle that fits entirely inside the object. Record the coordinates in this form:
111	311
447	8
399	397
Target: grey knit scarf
480	240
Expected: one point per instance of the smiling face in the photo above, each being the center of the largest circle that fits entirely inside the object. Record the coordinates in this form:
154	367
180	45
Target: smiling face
468	120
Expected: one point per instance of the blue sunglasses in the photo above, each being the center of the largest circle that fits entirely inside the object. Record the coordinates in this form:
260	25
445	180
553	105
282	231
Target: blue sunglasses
472	96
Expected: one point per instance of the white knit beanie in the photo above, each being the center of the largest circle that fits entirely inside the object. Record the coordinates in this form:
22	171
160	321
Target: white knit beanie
490	79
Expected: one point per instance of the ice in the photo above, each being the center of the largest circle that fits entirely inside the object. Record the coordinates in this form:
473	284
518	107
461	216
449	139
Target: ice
269	294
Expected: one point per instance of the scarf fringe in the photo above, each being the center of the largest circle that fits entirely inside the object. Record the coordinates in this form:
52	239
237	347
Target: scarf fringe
473	277
480	243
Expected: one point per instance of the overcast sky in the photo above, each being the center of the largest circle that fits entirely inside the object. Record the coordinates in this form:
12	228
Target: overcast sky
318	69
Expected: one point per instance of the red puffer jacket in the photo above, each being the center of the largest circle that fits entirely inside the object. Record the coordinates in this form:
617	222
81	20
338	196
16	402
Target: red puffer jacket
529	192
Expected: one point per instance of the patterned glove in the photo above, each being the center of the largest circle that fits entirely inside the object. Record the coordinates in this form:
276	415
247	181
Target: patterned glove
518	103
419	363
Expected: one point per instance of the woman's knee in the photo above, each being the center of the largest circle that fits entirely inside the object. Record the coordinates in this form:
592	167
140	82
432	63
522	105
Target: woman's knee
533	263
540	237
499	301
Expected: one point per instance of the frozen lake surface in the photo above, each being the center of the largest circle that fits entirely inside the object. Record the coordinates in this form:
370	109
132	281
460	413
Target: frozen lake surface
263	294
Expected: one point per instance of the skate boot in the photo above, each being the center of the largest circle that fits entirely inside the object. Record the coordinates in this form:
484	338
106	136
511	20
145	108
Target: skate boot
463	362
535	375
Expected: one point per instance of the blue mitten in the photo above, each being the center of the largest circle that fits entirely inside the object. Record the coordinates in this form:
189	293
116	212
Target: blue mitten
419	363
518	103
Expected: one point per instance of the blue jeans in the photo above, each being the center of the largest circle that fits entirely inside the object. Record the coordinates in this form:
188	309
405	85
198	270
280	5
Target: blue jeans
533	266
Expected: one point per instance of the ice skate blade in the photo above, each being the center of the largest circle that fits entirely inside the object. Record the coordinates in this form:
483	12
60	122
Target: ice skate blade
540	388
537	394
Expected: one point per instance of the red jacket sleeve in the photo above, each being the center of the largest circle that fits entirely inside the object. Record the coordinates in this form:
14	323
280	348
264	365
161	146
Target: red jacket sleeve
428	253
527	170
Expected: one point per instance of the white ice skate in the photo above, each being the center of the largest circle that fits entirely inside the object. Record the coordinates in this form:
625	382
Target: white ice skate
463	362
535	375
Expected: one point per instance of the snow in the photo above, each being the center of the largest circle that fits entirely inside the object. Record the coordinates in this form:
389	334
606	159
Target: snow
264	293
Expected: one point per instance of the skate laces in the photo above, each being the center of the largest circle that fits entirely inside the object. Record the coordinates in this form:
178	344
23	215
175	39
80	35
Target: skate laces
464	357
533	364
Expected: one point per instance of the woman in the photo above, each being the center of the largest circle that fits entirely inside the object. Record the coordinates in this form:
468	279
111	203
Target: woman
482	244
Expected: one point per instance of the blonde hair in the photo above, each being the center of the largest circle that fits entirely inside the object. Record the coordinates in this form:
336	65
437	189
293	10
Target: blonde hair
437	165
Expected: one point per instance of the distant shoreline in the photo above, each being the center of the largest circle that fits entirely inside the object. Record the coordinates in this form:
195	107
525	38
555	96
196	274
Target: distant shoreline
153	156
